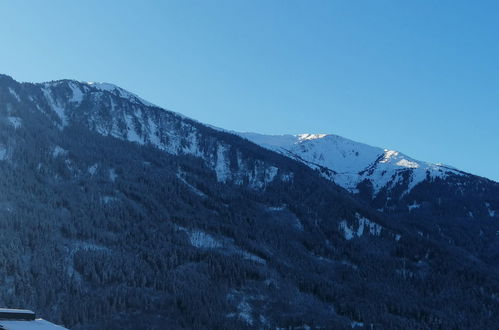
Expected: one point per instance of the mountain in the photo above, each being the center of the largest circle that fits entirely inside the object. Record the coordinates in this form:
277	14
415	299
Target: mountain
350	164
118	214
444	201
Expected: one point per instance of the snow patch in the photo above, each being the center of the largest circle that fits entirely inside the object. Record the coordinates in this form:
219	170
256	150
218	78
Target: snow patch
245	312
356	324
244	309
132	134
109	199
492	213
93	169
287	177
3	153
120	92
112	175
389	154
347	230
58	151
222	169
251	256
77	94
153	133
307	136
201	239
54	105
270	174
15	122
195	190
13	92
407	163
276	208
363	224
374	228
413	206
192	147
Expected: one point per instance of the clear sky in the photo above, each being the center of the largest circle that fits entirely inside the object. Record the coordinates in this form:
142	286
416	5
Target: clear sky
421	77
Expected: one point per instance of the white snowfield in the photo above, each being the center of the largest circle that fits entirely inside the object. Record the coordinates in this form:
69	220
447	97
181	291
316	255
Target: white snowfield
349	162
343	161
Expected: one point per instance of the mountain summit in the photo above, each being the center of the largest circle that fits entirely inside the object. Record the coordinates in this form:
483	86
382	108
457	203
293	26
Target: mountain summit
349	163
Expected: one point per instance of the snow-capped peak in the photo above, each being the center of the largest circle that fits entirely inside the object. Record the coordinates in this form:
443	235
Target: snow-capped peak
118	91
80	88
393	156
350	163
308	136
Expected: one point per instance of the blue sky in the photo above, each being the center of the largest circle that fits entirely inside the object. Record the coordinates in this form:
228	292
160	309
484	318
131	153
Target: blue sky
421	77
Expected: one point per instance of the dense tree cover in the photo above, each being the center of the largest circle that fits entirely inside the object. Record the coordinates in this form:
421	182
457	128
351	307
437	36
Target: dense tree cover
100	233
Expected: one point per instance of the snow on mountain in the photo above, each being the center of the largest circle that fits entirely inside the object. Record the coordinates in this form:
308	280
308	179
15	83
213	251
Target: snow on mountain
348	163
112	111
152	232
133	119
118	91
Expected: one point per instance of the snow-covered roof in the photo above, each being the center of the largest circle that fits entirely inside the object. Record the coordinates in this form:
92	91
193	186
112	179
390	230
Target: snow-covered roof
23	319
38	324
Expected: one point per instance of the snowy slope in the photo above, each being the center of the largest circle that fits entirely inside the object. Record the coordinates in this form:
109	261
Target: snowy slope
348	163
118	91
122	114
112	111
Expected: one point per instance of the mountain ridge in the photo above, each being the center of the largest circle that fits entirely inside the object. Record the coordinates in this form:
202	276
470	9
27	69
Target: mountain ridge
314	149
287	140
